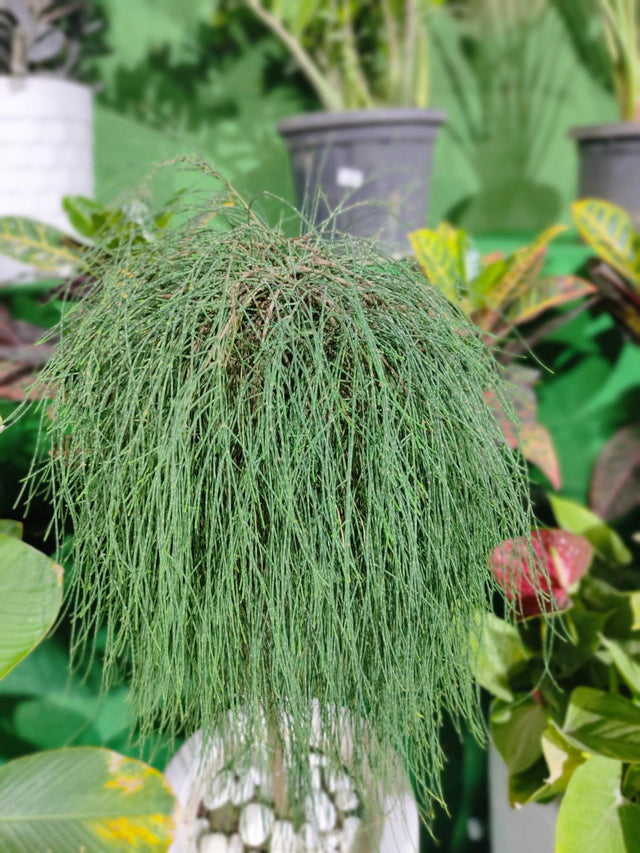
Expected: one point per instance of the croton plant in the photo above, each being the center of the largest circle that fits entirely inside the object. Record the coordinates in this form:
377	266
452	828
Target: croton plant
505	297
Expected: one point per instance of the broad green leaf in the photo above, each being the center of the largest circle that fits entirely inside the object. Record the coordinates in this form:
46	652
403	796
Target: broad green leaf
585	627
610	232
73	717
30	597
544	294
516	731
39	245
628	668
440	260
577	519
622	609
594	817
83	799
11	528
529	785
603	723
631	782
85	215
500	649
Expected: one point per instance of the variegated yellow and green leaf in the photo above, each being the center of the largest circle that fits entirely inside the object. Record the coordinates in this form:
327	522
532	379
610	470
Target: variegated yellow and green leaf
30	597
70	800
442	257
522	270
38	245
547	293
610	232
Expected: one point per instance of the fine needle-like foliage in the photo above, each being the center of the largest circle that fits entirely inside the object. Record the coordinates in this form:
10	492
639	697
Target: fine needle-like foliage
283	483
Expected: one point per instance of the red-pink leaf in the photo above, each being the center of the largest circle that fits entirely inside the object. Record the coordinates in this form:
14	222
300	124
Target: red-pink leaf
559	560
615	484
535	440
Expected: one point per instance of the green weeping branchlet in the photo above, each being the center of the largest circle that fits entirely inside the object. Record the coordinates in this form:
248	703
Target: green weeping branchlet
283	483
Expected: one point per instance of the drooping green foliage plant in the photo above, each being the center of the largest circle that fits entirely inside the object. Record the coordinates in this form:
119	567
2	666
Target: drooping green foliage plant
284	484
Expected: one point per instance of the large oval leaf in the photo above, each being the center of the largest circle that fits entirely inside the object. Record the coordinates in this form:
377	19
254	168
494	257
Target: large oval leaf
594	816
30	597
83	799
39	245
577	519
603	723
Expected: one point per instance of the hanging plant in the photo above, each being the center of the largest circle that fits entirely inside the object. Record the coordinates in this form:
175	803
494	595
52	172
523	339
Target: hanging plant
284	484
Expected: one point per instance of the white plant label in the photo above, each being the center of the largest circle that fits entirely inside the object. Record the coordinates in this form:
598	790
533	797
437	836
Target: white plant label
348	177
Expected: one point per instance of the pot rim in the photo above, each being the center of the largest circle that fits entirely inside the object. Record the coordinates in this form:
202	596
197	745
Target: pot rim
614	130
326	120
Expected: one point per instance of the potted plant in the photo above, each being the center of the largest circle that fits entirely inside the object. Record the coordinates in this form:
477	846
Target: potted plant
505	298
46	119
283	481
610	153
566	728
368	155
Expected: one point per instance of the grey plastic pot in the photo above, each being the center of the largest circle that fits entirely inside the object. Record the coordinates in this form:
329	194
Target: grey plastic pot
610	163
371	166
530	829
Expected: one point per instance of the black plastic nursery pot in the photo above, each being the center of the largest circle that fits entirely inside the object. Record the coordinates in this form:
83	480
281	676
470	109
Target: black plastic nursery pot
610	163
374	166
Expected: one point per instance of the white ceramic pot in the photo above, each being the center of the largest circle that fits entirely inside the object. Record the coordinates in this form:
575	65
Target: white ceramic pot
530	829
231	807
46	151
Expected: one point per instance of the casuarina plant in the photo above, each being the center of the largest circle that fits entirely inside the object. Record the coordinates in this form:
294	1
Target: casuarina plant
284	484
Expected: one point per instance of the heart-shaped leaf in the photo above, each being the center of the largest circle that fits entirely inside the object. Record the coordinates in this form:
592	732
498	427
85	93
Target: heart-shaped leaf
30	597
594	817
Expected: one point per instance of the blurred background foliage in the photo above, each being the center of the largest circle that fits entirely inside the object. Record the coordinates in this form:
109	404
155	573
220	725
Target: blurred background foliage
512	76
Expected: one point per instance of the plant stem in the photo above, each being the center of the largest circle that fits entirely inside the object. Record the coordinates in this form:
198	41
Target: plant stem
330	97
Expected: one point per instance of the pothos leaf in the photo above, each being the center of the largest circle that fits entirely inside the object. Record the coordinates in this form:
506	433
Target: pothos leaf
594	816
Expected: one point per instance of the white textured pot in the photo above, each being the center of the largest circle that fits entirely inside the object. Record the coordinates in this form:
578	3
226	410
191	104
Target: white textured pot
530	829
46	151
207	782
